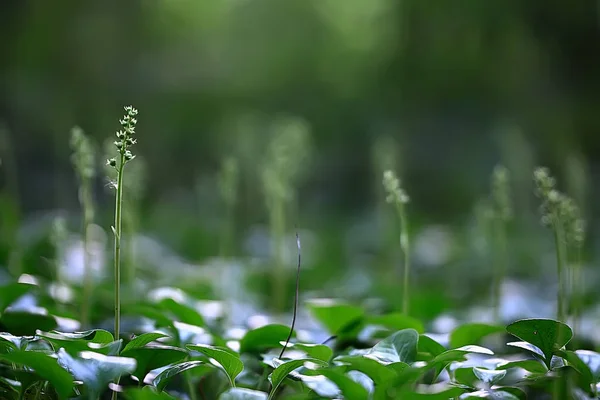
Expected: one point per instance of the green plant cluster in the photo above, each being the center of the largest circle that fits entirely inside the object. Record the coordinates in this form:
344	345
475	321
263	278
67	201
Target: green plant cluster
397	360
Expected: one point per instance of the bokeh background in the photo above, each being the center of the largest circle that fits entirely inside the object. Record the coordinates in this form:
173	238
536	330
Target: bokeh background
440	91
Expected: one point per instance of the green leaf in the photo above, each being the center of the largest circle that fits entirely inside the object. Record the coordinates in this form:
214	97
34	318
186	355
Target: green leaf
45	366
11	342
441	361
547	334
182	312
489	376
401	346
396	322
533	366
335	317
592	360
350	390
264	338
143	339
577	363
95	370
77	341
430	346
489	394
442	391
529	347
472	334
12	292
373	369
25	323
518	393
284	369
152	357
146	393
242	394
230	363
162	380
318	351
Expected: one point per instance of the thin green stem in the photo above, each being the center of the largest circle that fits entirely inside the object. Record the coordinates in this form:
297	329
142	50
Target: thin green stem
117	232
86	200
560	254
405	246
277	233
499	242
576	288
190	385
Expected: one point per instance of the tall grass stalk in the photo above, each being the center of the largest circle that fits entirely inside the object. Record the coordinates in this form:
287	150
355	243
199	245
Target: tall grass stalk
398	197
84	160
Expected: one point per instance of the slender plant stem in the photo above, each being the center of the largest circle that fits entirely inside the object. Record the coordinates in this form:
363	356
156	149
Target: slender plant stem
277	233
576	288
296	296
117	232
190	385
560	254
405	246
499	241
86	200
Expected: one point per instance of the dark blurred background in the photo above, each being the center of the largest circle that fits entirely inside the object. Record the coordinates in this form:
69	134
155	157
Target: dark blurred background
445	89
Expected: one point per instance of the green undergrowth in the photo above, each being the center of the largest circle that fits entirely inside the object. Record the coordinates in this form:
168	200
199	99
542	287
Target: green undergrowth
179	353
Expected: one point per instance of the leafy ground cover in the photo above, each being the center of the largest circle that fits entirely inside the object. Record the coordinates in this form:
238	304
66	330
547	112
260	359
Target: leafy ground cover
62	338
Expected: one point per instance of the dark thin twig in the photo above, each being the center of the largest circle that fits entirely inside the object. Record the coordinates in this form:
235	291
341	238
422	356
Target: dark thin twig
287	342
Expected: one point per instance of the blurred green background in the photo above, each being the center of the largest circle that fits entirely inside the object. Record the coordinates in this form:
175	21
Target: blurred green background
439	90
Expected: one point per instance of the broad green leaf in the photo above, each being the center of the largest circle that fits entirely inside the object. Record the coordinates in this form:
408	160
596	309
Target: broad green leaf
284	369
229	363
518	393
406	376
396	322
242	394
151	312
428	345
336	317
95	370
401	346
443	360
143	339
182	312
11	292
592	360
547	334
489	376
23	323
318	351
77	341
529	347
472	334
153	356
162	380
441	391
534	366
490	394
45	366
146	393
11	342
577	363
350	390
264	338
373	369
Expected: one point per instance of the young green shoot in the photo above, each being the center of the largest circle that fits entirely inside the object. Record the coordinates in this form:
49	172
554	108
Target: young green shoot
296	298
501	213
84	160
124	143
398	197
